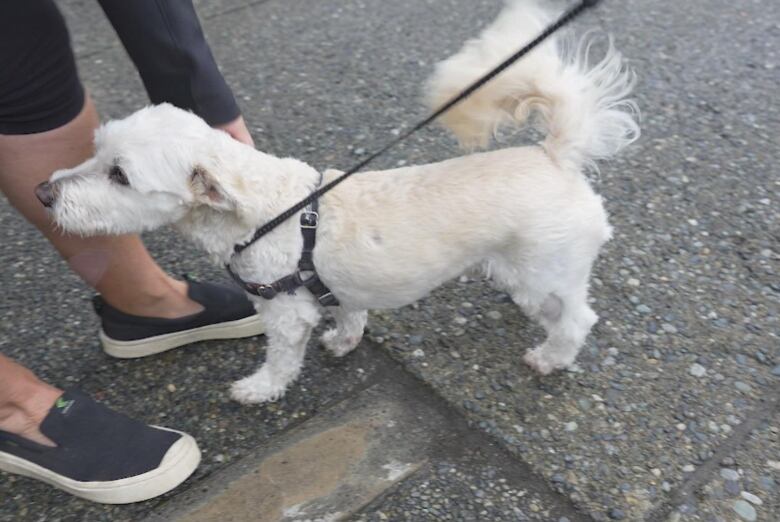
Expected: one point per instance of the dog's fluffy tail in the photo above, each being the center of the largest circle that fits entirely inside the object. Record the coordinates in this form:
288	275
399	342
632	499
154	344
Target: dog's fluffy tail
582	109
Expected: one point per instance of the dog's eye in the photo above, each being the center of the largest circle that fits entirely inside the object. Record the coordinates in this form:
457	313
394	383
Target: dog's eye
117	175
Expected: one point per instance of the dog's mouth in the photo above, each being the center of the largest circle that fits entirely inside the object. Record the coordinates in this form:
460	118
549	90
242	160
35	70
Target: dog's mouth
46	193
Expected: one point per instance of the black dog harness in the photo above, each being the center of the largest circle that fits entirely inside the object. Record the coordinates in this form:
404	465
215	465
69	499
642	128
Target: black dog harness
305	275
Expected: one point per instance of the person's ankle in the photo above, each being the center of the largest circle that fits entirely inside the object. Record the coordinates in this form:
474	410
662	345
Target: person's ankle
23	412
166	300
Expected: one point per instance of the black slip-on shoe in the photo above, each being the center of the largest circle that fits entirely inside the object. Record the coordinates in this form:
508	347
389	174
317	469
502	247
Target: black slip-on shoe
226	314
101	455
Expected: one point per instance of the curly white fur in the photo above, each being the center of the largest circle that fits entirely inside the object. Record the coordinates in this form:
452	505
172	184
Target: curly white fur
527	216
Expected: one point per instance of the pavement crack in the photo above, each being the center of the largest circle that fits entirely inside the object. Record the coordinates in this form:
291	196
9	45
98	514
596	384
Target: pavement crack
704	473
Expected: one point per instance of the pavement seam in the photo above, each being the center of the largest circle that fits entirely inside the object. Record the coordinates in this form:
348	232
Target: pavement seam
709	469
513	466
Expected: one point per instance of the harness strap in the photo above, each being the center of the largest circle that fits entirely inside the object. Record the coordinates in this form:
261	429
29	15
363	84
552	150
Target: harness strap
306	274
309	221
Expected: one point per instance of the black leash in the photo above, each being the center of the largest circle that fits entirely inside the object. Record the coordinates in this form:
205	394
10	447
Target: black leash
287	214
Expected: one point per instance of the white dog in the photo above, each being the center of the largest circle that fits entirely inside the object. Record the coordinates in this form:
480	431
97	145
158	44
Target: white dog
527	216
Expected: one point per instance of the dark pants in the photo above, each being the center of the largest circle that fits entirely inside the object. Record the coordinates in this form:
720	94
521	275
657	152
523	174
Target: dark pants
39	86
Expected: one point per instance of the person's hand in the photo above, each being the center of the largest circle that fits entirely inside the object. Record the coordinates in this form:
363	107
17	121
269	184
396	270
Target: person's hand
237	130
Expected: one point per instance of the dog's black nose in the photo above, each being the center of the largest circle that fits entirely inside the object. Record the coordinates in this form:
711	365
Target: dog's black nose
45	194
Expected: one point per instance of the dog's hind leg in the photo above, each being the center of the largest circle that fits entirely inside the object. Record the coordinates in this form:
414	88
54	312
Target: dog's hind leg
554	292
289	321
347	333
567	318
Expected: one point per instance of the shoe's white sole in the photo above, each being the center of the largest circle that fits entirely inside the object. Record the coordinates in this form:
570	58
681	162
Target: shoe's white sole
179	462
246	327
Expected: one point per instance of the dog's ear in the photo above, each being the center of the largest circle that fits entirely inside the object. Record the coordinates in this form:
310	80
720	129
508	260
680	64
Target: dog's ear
207	190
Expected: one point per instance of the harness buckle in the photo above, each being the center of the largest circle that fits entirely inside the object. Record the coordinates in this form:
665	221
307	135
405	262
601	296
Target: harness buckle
266	291
328	300
309	219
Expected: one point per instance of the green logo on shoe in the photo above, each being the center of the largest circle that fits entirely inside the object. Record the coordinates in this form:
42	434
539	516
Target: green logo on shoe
63	405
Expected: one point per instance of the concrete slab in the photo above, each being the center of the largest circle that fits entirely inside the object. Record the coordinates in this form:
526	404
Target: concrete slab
377	454
328	468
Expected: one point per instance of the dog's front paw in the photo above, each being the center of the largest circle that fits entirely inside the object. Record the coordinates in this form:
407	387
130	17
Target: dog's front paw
254	390
337	345
540	360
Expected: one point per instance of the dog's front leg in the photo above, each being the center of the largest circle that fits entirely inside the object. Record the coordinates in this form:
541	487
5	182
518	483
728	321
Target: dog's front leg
348	331
288	321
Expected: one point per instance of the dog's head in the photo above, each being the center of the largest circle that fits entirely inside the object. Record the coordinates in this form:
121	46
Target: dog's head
149	169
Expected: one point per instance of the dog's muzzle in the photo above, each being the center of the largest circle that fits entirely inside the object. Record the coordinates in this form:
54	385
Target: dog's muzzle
45	194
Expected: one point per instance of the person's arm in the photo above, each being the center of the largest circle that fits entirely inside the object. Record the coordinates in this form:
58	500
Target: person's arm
166	43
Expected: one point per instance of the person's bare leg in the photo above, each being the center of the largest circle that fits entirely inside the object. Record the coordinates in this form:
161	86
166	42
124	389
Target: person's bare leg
119	267
24	401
